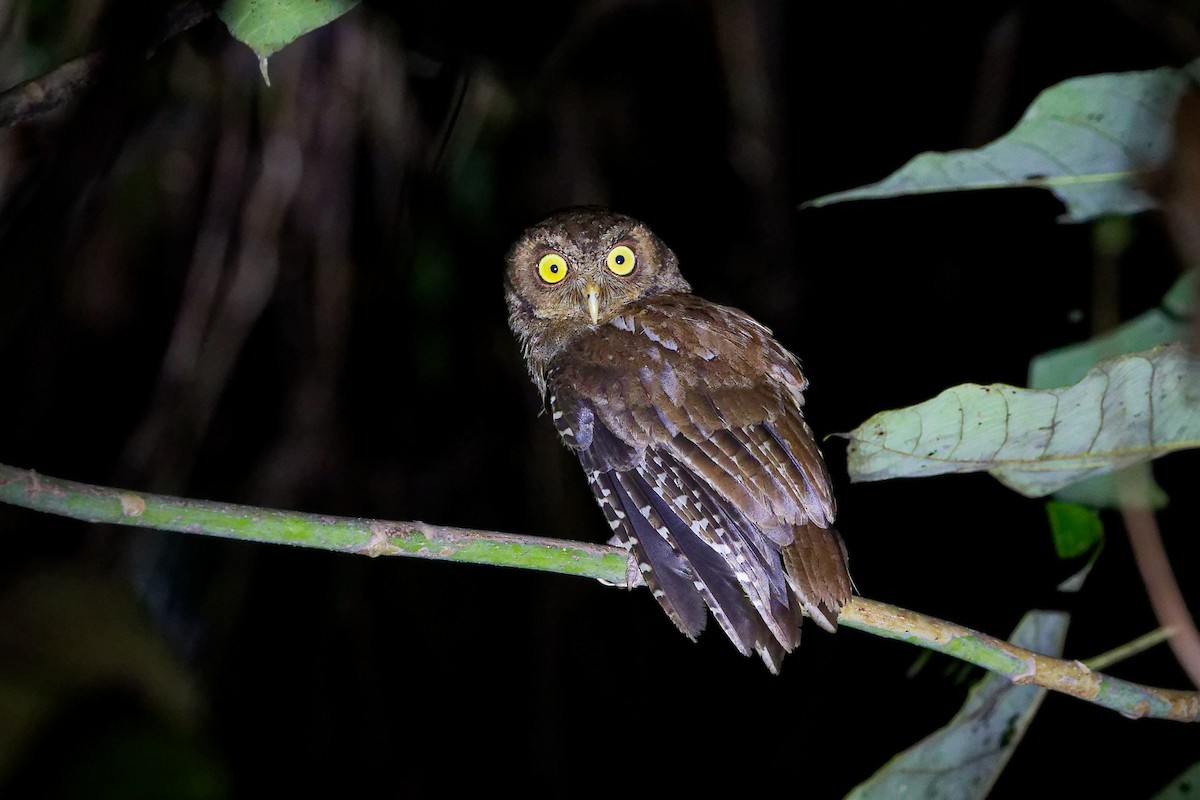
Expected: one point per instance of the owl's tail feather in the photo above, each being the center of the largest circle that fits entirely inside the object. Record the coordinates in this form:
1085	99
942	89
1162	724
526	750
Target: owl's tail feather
815	564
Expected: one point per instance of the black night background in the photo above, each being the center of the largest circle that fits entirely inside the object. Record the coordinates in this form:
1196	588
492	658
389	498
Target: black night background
290	297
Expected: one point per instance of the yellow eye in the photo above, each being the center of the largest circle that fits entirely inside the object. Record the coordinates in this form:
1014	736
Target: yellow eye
621	260
552	268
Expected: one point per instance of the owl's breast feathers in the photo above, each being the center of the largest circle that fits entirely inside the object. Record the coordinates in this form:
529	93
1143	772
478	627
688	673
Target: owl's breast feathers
686	415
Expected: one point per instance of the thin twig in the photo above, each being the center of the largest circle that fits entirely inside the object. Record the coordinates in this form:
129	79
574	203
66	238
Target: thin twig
1021	665
49	91
1129	649
609	564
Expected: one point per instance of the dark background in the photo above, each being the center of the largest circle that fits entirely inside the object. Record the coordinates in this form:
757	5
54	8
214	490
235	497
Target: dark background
291	297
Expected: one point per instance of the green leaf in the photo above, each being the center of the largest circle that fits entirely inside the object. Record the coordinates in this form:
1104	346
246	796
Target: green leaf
266	26
1075	528
1126	410
1185	787
1161	325
1089	140
1067	365
963	759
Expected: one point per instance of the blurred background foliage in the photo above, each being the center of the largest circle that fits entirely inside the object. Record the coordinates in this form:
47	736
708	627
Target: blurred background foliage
291	297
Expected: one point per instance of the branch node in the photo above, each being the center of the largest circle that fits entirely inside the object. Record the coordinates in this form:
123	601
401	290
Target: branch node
1029	675
132	505
380	543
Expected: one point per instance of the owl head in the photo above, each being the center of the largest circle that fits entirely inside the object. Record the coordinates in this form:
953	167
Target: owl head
576	270
582	266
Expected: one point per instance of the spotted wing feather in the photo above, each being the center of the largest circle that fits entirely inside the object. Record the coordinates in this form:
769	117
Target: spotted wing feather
665	570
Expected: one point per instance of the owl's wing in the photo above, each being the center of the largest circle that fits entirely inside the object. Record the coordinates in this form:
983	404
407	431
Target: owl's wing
685	545
686	416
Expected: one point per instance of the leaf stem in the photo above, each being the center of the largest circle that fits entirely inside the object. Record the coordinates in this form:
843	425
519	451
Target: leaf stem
1155	568
1130	649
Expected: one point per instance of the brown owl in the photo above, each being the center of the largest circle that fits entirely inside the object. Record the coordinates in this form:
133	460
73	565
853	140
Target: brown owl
686	417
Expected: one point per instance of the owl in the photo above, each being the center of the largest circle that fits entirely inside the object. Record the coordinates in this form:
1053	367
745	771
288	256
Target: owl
686	418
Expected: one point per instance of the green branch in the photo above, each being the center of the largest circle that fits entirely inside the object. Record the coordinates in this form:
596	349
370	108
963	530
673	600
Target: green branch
1020	665
609	564
341	534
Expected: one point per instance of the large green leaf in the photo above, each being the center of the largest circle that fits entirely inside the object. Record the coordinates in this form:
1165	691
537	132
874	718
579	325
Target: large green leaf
1090	140
962	760
1126	410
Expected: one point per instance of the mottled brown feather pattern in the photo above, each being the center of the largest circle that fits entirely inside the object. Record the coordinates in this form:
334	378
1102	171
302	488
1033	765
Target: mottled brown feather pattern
686	416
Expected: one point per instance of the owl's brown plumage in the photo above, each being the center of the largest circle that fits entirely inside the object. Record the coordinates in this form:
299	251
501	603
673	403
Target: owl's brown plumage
686	417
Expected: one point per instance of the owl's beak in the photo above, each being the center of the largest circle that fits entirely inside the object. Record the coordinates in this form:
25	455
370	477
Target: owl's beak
592	291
